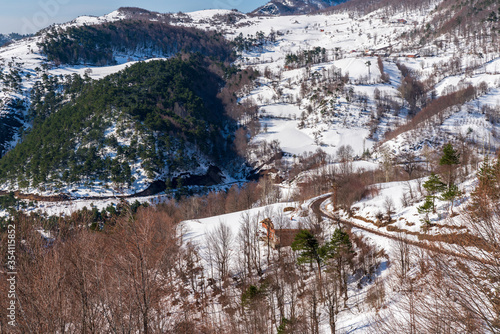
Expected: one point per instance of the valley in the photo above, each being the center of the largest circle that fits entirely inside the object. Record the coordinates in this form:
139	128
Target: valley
309	167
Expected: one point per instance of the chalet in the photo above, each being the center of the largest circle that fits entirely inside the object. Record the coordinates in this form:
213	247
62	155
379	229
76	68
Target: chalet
403	21
322	30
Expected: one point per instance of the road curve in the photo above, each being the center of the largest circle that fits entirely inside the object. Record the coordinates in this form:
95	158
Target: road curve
315	206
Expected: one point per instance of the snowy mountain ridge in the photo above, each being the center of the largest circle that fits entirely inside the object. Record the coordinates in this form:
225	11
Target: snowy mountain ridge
290	7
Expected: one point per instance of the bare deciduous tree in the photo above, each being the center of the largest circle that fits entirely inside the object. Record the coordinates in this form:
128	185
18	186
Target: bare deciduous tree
219	242
402	249
249	254
345	154
388	206
409	161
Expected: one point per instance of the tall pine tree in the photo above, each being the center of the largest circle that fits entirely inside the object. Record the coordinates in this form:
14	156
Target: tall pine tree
450	159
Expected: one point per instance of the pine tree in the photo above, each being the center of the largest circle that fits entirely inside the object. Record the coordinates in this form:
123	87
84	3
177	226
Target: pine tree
450	158
488	187
433	186
309	248
339	244
450	194
427	208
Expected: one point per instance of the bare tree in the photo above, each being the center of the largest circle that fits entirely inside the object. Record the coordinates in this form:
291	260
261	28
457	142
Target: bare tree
98	282
472	282
387	163
249	245
388	206
410	164
345	154
219	242
402	249
333	295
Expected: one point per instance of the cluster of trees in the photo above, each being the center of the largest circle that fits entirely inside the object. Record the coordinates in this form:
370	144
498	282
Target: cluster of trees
10	123
11	79
139	274
98	44
456	294
7	39
237	86
251	42
450	161
51	92
13	107
474	21
8	201
236	198
229	18
383	75
412	90
61	296
436	107
362	8
161	106
306	57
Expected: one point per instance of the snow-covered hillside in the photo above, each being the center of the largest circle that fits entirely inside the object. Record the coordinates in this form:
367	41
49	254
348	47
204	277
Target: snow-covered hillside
388	221
362	219
288	7
301	106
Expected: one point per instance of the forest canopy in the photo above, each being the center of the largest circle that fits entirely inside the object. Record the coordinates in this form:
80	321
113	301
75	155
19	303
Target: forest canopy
99	44
147	114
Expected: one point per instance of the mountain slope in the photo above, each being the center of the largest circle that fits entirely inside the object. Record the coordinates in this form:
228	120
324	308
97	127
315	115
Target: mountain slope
100	44
291	7
328	80
152	120
5	39
91	41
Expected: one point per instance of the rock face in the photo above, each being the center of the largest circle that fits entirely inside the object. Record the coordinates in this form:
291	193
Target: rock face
291	7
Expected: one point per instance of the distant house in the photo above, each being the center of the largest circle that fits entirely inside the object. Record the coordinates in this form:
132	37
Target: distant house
403	21
413	55
286	236
322	30
278	237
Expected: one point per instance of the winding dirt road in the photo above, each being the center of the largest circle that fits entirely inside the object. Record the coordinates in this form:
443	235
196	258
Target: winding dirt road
318	211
